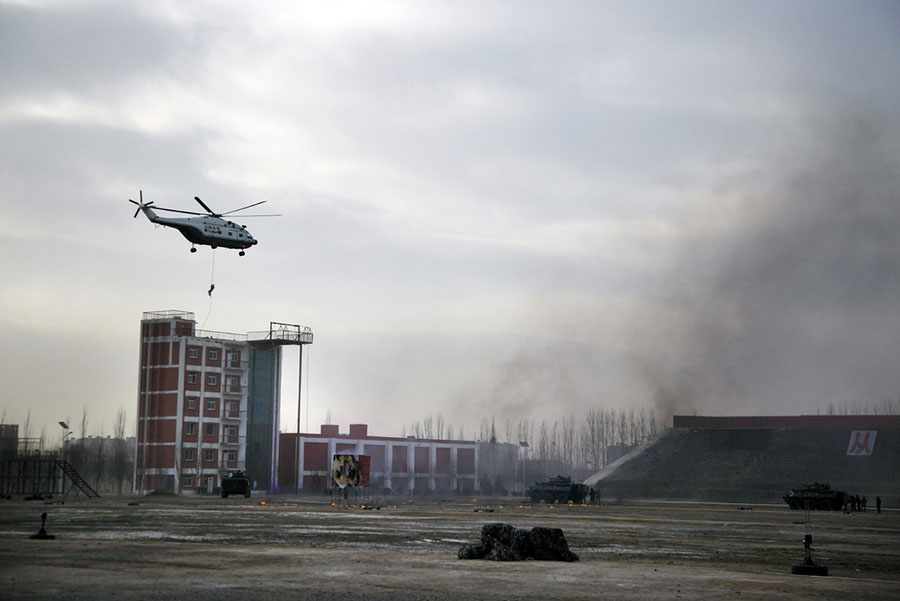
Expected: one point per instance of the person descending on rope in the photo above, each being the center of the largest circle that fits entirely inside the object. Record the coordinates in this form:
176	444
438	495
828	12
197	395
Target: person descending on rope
211	288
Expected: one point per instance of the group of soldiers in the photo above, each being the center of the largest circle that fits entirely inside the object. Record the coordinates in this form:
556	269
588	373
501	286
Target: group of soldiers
854	503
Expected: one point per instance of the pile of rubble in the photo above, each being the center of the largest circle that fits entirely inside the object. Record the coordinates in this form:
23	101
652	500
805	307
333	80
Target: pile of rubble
502	542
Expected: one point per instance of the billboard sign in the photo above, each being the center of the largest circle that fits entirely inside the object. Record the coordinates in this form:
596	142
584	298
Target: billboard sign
862	442
344	471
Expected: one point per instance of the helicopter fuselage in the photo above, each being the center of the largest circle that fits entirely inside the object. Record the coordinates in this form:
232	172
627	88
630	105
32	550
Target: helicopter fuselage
209	231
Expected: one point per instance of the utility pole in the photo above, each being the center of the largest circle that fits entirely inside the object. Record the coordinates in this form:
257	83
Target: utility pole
297	474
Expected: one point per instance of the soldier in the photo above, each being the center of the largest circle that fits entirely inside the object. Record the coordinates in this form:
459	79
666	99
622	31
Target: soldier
864	501
878	504
592	495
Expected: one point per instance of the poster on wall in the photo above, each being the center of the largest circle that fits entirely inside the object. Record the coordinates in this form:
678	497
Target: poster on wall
344	471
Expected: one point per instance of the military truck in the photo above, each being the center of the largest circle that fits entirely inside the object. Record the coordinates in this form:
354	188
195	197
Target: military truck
818	495
559	489
235	483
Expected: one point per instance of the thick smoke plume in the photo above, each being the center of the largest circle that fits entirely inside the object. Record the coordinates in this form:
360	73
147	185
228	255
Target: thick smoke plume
794	309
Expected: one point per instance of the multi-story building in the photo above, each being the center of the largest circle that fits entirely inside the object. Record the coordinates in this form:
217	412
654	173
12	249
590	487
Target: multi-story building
402	465
208	403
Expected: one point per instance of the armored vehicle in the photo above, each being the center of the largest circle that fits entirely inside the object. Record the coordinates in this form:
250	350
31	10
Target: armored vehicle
235	483
818	495
559	489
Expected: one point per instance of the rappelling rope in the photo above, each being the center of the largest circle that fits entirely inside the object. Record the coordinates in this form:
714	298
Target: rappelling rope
212	286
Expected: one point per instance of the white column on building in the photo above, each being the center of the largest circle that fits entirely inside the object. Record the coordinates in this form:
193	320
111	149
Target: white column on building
411	465
301	463
454	449
388	464
332	445
432	464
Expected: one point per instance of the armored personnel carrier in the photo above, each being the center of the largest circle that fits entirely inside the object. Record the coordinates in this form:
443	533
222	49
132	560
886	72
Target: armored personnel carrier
818	495
235	483
559	489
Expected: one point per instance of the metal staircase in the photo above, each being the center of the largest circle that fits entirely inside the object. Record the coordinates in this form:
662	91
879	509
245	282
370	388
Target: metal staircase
78	483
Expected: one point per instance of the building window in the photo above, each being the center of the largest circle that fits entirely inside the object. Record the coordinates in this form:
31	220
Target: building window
189	456
212	379
213	354
192	404
209	455
232	407
211	405
234	383
234	356
192	377
188	482
190	428
193	352
230	455
230	430
210	429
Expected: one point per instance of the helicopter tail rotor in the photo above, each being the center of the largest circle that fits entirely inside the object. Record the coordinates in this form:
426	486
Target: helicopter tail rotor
140	205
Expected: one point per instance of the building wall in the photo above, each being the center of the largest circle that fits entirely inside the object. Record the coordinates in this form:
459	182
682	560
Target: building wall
403	465
859	422
192	406
263	406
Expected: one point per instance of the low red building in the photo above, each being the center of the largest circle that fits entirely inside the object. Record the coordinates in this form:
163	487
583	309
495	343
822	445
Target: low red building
402	465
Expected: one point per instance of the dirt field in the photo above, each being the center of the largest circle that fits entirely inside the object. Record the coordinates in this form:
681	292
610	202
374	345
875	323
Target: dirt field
285	548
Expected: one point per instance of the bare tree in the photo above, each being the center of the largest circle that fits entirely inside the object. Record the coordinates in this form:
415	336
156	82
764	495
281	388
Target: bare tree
439	426
592	437
567	440
120	452
653	427
26	432
99	467
622	427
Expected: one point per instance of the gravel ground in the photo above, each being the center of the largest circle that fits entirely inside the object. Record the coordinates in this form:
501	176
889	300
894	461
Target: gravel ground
166	547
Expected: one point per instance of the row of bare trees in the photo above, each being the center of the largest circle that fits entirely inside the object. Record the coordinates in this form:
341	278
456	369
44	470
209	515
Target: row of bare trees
581	442
883	407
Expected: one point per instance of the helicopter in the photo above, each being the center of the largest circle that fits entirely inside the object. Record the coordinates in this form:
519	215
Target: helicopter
208	228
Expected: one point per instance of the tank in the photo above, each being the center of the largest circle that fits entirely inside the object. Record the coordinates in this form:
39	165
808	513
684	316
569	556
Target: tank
818	495
235	483
559	489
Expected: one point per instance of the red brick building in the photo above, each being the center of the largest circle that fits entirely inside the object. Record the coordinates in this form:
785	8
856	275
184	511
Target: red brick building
403	465
208	403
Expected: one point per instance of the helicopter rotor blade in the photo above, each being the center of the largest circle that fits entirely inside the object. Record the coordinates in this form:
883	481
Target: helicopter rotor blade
242	208
179	211
268	215
208	210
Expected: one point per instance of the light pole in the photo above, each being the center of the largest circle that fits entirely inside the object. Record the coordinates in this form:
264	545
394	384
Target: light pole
62	452
66	434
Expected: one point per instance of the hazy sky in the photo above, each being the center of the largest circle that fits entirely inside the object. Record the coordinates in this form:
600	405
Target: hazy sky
516	209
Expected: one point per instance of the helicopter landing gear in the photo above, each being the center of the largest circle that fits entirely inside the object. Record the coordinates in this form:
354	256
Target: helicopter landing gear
193	250
241	254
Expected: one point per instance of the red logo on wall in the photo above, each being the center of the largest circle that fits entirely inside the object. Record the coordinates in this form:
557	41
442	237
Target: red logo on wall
862	442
